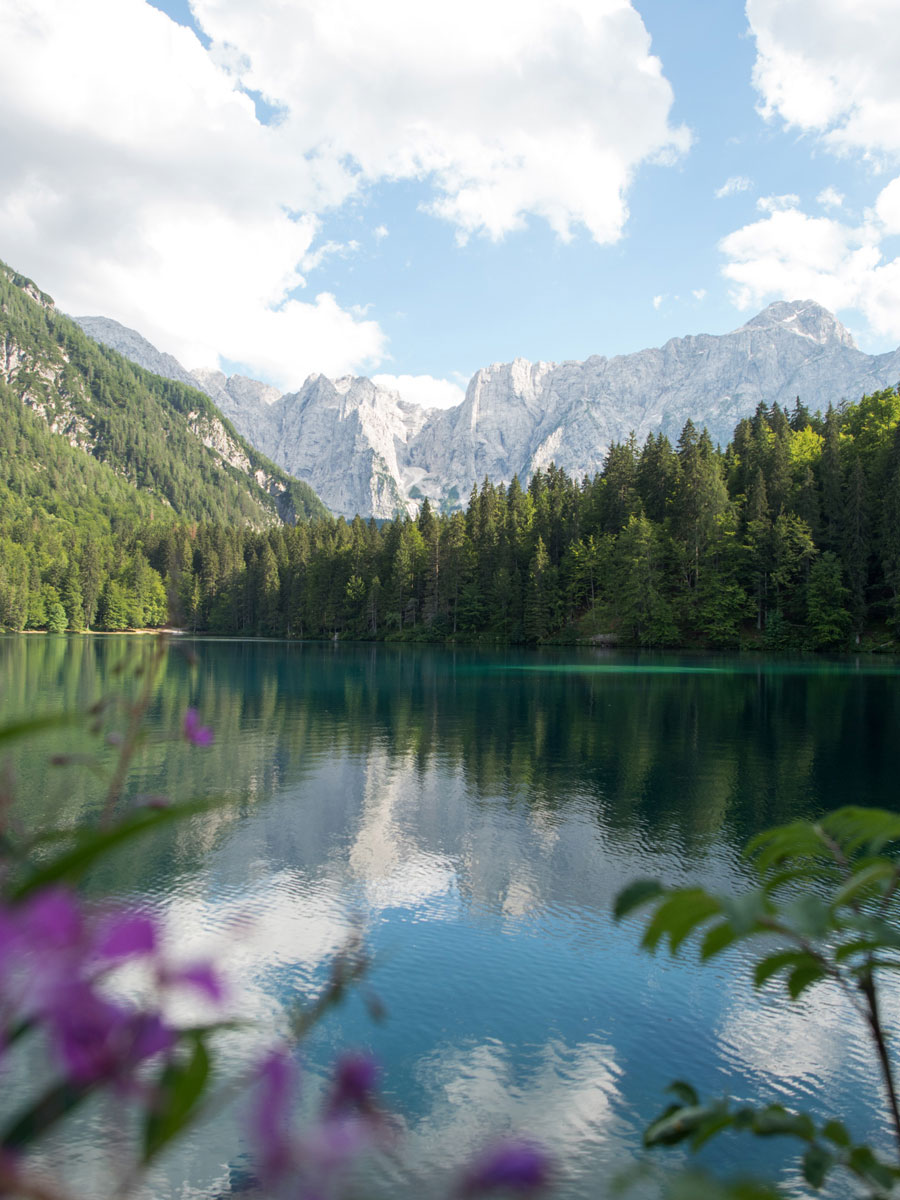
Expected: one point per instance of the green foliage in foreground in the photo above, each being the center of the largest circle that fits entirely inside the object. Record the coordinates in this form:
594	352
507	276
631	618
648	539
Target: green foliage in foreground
824	913
59	953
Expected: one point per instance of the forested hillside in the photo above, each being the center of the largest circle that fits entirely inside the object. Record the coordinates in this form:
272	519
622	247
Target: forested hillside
165	438
789	538
92	449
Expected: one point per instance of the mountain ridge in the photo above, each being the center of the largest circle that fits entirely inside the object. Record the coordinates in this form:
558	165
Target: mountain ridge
164	438
366	450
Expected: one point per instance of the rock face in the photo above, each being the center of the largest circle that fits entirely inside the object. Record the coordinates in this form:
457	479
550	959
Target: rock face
351	436
130	344
239	398
365	450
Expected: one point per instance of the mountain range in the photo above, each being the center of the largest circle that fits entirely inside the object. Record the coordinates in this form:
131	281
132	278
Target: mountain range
365	450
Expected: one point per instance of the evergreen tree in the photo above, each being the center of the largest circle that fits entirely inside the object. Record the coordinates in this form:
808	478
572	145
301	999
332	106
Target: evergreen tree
827	617
541	596
832	483
855	542
644	612
620	500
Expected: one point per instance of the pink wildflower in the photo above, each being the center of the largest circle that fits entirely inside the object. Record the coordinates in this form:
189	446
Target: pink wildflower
511	1166
194	732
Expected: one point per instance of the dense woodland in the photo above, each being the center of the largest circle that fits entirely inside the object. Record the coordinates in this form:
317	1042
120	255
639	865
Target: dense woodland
788	538
125	443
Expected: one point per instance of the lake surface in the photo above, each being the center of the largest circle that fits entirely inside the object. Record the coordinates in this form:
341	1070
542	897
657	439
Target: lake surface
474	814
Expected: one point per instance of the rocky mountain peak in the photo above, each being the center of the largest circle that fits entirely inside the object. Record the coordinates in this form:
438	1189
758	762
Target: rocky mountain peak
366	451
250	391
805	318
208	379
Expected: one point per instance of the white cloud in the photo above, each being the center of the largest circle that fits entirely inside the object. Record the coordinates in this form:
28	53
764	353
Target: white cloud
830	197
827	70
423	389
380	232
657	301
791	255
137	181
831	69
770	204
314	258
887	207
733	185
544	109
699	293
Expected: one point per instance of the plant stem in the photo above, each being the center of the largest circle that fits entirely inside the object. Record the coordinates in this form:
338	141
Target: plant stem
867	987
137	713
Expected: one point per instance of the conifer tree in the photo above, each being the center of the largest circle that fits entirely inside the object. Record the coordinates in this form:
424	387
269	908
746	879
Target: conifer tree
855	542
645	614
541	596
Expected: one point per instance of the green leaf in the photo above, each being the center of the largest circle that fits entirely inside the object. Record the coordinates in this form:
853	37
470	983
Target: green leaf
636	894
809	916
70	866
773	963
773	847
678	1123
179	1091
716	1123
853	827
679	915
836	1132
803	977
685	1092
775	1121
819	870
816	1163
745	912
18	729
57	1102
698	1185
717	939
864	881
862	1162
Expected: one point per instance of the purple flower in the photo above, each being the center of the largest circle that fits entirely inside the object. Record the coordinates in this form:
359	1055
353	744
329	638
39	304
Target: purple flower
354	1083
97	1039
55	959
309	1163
127	935
201	976
271	1117
194	732
11	1180
52	920
509	1166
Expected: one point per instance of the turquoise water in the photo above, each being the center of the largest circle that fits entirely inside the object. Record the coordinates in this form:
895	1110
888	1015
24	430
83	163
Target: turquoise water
473	815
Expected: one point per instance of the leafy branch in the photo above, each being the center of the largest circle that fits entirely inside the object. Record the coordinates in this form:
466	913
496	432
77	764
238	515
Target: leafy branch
827	897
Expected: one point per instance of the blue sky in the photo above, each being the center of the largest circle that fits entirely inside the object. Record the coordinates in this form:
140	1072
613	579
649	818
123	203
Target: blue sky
283	188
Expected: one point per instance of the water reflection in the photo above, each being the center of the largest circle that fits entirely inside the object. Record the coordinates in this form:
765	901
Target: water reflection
477	813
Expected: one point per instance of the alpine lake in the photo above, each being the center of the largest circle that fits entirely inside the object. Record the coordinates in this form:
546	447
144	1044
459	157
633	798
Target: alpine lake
471	815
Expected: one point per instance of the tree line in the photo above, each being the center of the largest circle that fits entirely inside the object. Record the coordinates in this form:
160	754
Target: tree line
788	538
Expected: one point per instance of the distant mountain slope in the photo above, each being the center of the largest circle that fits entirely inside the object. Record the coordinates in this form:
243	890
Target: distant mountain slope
133	346
518	417
163	437
365	450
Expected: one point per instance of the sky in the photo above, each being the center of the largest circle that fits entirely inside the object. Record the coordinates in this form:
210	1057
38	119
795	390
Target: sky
412	191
